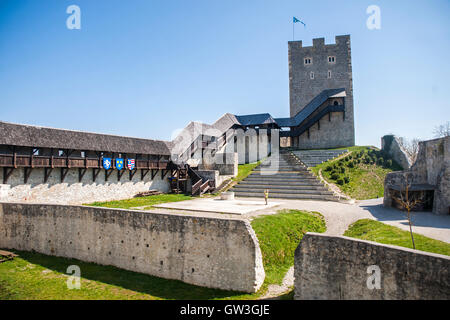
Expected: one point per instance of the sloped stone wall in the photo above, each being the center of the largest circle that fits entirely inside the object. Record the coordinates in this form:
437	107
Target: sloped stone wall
210	252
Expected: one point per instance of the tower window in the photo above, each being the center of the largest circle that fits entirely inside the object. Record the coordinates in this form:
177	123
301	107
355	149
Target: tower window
331	59
308	60
329	74
311	75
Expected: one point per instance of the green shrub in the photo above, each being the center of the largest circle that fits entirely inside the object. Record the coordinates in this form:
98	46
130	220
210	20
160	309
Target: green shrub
334	176
389	163
380	161
340	181
342	170
328	168
346	179
351	164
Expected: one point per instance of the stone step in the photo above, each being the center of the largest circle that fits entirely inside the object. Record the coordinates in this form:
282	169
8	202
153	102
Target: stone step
278	191
287	189
280	183
280	187
288	196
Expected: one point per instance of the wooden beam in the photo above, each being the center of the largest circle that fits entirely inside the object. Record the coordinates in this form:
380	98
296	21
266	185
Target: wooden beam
163	173
318	125
64	173
329	116
27	172
95	173
108	174
6	174
81	173
132	173
120	174
47	172
154	172
144	173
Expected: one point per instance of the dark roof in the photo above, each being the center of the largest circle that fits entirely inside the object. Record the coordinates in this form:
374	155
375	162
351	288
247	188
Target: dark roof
309	108
42	137
255	119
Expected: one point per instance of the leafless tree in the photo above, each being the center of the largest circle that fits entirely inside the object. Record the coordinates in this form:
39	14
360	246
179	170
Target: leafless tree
407	202
411	147
442	131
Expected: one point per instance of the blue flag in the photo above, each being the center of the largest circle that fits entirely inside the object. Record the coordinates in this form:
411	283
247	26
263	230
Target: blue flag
295	20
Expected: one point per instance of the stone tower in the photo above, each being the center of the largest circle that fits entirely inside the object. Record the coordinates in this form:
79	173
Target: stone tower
320	67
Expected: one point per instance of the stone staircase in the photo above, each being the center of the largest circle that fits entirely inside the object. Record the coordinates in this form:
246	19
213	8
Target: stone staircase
286	178
312	158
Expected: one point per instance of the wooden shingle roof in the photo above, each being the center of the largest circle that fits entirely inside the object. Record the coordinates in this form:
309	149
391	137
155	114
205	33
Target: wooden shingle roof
42	137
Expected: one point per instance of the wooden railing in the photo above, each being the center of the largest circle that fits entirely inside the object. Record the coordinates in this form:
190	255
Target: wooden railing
32	161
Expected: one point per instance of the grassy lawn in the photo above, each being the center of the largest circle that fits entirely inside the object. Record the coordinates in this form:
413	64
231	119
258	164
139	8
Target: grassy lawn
361	174
146	202
35	276
244	170
372	230
279	236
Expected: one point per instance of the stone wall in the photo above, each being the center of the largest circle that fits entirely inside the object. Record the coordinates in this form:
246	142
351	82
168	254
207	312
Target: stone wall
71	191
333	133
391	145
431	168
329	267
210	252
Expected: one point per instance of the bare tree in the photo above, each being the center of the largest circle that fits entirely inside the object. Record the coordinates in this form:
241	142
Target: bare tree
442	131
408	203
411	147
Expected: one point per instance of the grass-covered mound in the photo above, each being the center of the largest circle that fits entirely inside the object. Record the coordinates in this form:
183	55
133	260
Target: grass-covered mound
144	202
279	236
360	174
372	230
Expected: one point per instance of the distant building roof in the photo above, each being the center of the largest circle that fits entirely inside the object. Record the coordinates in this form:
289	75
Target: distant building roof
255	119
42	137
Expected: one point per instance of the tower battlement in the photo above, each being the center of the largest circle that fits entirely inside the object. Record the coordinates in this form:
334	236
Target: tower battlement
320	42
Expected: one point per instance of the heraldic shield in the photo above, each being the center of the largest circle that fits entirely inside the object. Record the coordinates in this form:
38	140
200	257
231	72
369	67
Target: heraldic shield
119	164
107	163
131	164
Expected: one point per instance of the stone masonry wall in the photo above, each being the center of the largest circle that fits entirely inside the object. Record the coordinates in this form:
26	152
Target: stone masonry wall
333	133
329	267
71	191
432	167
210	252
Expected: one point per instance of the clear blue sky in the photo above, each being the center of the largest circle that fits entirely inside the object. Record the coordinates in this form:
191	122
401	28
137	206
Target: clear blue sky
145	68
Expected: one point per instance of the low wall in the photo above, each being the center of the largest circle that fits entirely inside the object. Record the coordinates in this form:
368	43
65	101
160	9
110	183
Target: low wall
210	252
71	191
328	267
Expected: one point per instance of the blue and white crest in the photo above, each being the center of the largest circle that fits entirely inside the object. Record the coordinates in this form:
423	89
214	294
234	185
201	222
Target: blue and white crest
107	163
119	163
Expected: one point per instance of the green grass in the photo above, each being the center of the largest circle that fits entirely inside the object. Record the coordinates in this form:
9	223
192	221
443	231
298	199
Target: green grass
146	202
244	170
35	276
364	172
279	236
372	230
